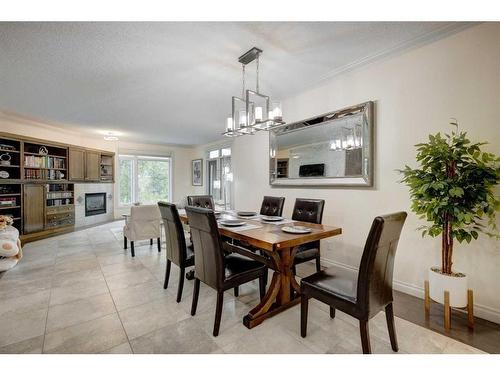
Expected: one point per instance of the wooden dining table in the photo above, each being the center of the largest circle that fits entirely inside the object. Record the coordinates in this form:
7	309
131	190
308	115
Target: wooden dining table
279	252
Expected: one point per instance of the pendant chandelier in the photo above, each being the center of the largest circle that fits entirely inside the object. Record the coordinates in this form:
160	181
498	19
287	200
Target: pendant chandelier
253	111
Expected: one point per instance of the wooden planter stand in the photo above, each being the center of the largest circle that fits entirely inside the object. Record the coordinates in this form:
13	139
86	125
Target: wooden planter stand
447	307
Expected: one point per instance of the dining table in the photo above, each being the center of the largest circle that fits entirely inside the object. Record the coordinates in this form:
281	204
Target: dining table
278	250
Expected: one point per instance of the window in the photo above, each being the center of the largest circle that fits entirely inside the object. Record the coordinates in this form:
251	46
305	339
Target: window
144	179
126	183
220	177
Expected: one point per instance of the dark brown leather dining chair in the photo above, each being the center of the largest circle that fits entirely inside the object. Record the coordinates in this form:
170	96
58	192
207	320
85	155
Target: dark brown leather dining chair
272	206
204	201
311	211
212	267
365	293
179	251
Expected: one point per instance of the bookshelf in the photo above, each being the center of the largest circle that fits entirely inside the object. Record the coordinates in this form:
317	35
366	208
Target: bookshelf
59	205
106	167
11	203
37	180
44	162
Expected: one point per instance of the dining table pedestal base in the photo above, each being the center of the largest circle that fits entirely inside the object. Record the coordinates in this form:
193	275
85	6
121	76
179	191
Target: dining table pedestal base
283	291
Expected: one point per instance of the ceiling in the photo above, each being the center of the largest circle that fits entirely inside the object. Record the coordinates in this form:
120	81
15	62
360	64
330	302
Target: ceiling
172	82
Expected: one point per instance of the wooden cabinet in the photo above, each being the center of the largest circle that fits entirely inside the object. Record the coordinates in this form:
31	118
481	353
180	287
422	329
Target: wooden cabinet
92	165
84	165
34	207
76	164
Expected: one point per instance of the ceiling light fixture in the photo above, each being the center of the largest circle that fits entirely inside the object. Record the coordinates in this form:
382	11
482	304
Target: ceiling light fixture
110	137
252	111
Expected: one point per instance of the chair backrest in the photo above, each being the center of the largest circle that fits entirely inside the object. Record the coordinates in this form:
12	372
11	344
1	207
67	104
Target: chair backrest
309	210
204	201
377	263
174	233
272	206
208	254
144	222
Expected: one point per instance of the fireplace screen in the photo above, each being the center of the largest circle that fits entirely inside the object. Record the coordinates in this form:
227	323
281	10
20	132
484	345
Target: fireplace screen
95	204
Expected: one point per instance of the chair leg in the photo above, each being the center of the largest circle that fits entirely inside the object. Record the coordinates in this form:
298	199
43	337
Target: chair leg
365	336
158	243
150	242
236	291
181	283
132	248
318	264
389	316
218	312
332	312
124	243
167	274
196	292
262	286
304	304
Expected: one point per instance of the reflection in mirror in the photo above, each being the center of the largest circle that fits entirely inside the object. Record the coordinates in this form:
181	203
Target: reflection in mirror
332	149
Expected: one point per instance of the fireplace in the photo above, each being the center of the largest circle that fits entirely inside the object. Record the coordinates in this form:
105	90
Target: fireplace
95	204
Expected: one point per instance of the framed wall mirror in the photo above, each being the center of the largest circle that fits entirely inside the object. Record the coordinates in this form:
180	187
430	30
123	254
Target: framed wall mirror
334	149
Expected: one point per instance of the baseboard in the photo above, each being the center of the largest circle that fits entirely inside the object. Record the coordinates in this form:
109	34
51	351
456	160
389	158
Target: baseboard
481	311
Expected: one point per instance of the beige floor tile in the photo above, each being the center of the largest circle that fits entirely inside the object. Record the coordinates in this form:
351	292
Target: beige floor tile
30	346
15	288
108	259
138	295
20	327
119	349
78	290
93	336
127	279
140	320
69	278
82	310
25	302
79	265
123	267
184	337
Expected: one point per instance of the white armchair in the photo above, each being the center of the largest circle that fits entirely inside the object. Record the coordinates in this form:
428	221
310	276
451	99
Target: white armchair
142	224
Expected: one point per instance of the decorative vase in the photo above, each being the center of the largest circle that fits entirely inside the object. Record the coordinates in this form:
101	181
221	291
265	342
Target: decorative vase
455	284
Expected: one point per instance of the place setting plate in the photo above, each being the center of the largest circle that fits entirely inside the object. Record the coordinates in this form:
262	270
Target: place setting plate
246	214
297	229
231	223
271	218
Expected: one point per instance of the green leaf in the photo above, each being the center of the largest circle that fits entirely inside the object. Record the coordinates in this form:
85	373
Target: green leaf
456	192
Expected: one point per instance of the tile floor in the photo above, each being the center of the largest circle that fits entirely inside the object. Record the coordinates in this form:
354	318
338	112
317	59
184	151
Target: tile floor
82	293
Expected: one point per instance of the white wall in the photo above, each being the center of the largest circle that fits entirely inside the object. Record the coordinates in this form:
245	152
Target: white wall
415	93
181	156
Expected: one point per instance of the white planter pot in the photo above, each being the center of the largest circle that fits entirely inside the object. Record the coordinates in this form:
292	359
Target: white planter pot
455	284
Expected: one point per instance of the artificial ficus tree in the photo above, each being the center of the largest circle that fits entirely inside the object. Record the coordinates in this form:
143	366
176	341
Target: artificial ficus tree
453	189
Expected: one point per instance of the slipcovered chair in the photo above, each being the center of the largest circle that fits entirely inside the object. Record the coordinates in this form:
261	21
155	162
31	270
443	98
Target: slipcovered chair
142	224
204	201
365	293
272	206
212	267
179	251
311	211
10	246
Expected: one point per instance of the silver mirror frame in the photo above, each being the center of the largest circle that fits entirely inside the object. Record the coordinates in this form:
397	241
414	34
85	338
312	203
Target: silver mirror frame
364	180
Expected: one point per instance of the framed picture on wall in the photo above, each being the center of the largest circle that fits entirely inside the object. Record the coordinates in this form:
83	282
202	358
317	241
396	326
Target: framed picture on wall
197	172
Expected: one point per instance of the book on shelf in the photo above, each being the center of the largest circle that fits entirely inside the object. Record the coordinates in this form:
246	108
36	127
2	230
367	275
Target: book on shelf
58	202
34	161
43	174
8	202
56	195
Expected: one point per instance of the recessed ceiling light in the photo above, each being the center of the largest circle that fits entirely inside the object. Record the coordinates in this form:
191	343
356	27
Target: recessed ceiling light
110	137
